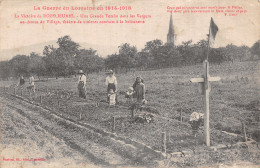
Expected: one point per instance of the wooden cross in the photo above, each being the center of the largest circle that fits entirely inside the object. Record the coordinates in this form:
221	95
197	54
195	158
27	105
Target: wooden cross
204	81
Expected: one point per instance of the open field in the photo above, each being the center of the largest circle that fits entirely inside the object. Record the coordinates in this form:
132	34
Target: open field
235	99
29	131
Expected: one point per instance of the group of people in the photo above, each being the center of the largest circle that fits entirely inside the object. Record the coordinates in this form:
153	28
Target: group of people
21	83
136	91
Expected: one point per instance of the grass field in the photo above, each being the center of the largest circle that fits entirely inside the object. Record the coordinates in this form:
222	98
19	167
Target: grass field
233	100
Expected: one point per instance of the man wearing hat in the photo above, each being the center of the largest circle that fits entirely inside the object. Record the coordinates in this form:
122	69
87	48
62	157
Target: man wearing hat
82	84
111	82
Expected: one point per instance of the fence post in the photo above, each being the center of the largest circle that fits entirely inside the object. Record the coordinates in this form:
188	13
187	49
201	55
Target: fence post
181	115
61	110
244	131
132	113
169	137
164	142
80	113
41	99
114	124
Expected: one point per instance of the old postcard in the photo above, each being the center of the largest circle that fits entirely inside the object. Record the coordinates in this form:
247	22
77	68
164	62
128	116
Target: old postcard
129	83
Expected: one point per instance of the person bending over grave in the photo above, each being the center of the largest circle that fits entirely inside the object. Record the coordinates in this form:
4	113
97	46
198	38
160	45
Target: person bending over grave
111	83
196	120
82	84
139	90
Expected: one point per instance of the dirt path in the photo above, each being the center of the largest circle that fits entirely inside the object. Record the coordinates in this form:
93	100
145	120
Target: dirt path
26	133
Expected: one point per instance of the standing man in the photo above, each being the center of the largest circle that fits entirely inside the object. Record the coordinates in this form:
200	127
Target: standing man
31	83
82	84
111	83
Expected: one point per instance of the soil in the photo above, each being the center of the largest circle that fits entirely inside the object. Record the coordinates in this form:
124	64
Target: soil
28	134
179	134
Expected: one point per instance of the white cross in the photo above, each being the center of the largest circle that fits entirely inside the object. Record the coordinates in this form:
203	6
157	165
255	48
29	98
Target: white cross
204	81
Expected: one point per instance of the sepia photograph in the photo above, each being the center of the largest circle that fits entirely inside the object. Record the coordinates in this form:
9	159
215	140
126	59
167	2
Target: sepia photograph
129	83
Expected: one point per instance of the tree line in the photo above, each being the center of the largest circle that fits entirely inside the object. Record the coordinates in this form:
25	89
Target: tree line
68	58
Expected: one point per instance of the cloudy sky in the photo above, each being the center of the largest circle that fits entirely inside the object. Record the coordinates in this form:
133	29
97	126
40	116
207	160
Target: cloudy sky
242	29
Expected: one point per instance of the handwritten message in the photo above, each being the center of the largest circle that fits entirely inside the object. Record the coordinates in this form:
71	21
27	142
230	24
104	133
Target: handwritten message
225	10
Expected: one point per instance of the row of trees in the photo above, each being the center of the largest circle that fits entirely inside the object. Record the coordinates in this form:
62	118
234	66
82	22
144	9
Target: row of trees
68	58
62	61
22	65
155	54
